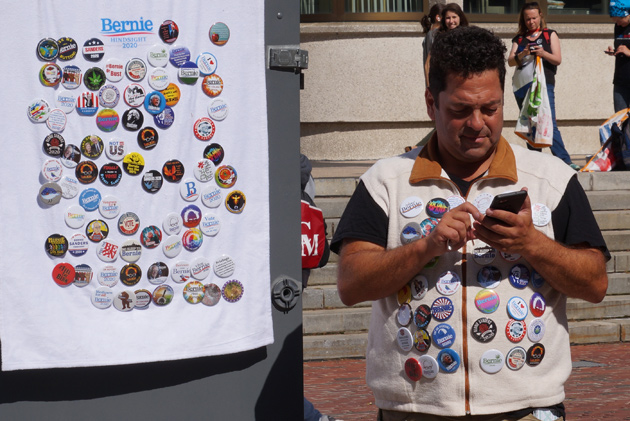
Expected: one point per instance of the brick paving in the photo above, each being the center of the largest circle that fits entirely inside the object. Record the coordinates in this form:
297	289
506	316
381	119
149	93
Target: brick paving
598	389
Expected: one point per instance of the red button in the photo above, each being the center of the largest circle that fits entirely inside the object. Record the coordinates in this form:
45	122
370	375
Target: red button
63	274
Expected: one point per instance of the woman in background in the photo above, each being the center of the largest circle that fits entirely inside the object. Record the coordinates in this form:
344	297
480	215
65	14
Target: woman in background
430	25
452	17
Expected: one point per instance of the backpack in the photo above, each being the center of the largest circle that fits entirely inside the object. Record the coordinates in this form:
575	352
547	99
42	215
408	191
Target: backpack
315	248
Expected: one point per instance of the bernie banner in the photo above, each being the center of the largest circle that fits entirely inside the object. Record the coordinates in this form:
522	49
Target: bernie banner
135	214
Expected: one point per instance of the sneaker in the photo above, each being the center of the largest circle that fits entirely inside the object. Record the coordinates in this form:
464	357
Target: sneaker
328	418
576	167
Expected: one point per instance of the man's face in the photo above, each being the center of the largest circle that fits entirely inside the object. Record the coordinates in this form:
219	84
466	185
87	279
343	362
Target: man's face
469	119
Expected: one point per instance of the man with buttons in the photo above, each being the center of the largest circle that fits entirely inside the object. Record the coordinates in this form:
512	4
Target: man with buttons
480	363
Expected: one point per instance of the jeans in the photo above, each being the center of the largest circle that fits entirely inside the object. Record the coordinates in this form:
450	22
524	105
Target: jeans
557	147
621	97
310	413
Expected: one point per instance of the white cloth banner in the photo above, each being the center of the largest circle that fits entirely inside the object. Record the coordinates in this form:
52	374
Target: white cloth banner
45	325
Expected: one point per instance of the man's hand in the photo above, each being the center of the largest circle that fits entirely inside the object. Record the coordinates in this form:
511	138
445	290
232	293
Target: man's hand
453	230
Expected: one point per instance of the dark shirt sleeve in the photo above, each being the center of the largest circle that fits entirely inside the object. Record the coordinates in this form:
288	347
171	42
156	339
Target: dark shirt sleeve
574	222
362	220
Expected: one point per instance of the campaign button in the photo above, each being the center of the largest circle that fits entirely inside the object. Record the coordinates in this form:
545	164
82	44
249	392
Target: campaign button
114	69
72	77
107	251
214	152
134	95
235	201
411	207
172	246
110	174
151	236
519	276
172	94
116	149
63	274
148	138
165	119
430	367
413	369
68	48
210	224
181	272
143	299
78	245
71	156
188	72
212	85
211	294
130	274
419	287
510	257
82	275
128	223
65	100
207	63
109	207
410	233
87	103
97	230
219	33
442	309
54	144
204	128
484	330
52	170
541	215
436	208
536	330
92	146
125	300
537	305
428	225
193	292
157	56
535	355
133	163
443	335
448	360
211	196
517	308
225	176
38	110
404	314
192	239
422	340
537	280
93	49
94	78
489	277
487	301
102	297
482	202
69	186
168	31
50	194
173	170
515	358
130	251
172	223
515	330
50	74
232	291
108	276
178	55
492	361
218	110
107	120
57	120
47	49
422	316
204	170
109	96
157	273
136	69
448	283
89	199
74	216
163	295
152	181
189	190
56	245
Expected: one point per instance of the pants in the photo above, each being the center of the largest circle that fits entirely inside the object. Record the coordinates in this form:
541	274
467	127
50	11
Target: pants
621	97
557	147
310	413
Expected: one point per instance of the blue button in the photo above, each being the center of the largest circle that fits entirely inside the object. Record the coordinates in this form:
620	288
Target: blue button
89	199
448	360
443	335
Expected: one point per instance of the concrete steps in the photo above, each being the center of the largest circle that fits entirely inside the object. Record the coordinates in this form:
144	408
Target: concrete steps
332	330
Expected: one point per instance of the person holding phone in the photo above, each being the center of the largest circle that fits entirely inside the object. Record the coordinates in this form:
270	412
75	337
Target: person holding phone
621	52
533	40
420	229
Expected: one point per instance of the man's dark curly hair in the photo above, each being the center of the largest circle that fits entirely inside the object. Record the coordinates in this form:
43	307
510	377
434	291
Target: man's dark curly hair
465	52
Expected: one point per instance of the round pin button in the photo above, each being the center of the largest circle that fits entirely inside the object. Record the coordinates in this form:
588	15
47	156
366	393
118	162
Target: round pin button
90	199
413	370
204	128
52	170
178	55
517	308
148	138
57	120
82	275
443	335
152	181
212	85
181	272
430	367
232	291
109	96
193	292
158	79
489	277
492	361
537	305
218	110
102	297
165	119
128	223
422	316
125	300
219	33
133	163
50	74
47	49
410	233
114	69
519	276
74	216
211	196
537	280
172	246
151	236
143	299
157	273
163	295
510	257
108	276
172	94
136	69
411	207
107	251
188	72
436	208
93	49
235	201
515	330
78	245
38	110
404	314
422	340
200	268
134	95
225	176
65	100
172	223
130	274
97	230
442	309
207	63
535	355
214	152
107	120
72	77
404	339
536	330
448	283
482	202
109	207
448	360
484	330
94	78
92	146
50	193
116	149
54	144
515	358
419	286
130	251
210	225
204	170
541	215
71	156
157	56
173	170
189	190
63	274
192	239
191	216
428	225
110	174
87	103
68	48
211	294
168	31
56	245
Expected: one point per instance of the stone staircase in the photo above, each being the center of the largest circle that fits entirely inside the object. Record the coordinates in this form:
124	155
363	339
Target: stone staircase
332	330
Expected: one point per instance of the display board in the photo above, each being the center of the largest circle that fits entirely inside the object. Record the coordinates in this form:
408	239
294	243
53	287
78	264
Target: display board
149	239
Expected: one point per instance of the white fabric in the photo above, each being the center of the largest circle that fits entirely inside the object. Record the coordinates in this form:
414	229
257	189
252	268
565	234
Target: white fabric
43	325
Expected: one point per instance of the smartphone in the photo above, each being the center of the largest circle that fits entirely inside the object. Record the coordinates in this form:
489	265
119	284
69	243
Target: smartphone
532	46
511	202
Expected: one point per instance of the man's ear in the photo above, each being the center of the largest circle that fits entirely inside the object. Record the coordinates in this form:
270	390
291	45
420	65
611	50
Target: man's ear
430	101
